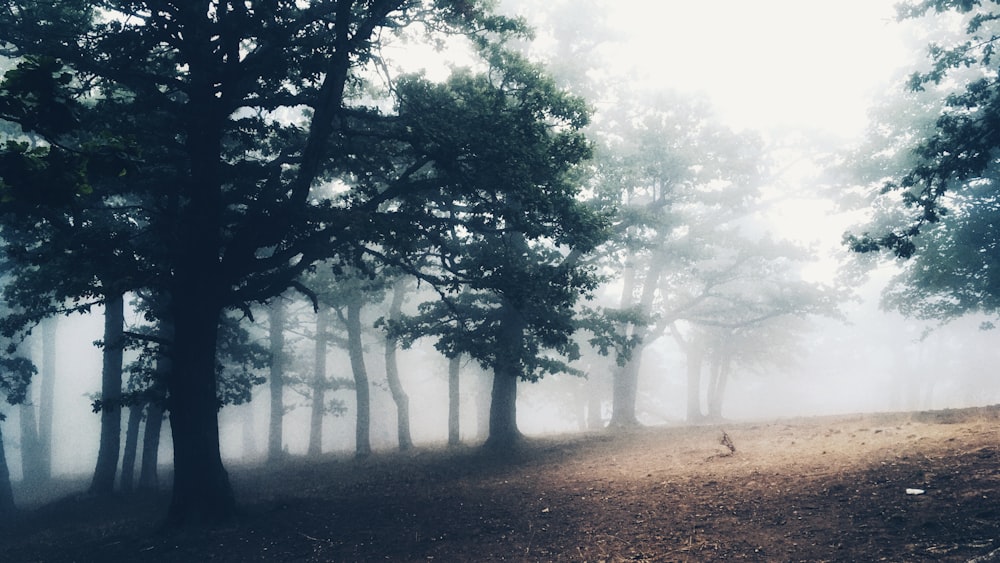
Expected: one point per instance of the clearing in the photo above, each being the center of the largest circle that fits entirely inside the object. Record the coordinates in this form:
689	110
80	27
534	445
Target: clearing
810	489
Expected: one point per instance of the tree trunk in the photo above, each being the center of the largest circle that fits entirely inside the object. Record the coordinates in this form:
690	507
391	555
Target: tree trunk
504	433
46	402
111	392
626	378
454	401
319	382
277	379
6	491
362	444
392	371
31	460
149	479
131	445
717	385
695	358
626	392
202	492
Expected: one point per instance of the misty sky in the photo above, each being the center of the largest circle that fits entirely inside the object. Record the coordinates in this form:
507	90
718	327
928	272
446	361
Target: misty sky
770	63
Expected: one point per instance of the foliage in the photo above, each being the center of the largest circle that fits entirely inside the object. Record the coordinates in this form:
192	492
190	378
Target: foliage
943	210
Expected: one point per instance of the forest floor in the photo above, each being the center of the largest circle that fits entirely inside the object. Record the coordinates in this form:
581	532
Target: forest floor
811	489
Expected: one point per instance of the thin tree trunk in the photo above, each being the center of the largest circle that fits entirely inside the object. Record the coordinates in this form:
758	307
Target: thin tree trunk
46	406
6	490
362	444
454	401
277	379
111	392
319	382
392	370
131	445
695	360
149	479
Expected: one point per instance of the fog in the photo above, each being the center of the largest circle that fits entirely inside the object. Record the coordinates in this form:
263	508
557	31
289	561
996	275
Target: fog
863	360
870	362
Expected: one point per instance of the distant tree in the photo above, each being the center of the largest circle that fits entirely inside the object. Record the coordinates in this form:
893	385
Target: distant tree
511	245
16	372
400	287
679	181
47	394
276	379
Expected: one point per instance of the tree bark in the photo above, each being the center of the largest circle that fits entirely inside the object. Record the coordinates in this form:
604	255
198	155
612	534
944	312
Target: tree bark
202	493
111	393
46	402
504	433
362	433
277	379
454	401
319	382
392	370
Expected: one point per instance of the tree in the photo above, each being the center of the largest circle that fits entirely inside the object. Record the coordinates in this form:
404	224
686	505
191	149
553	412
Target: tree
110	403
679	181
399	290
276	381
512	243
15	376
235	218
936	204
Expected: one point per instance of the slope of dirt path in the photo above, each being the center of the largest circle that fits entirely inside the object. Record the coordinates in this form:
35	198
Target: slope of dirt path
816	489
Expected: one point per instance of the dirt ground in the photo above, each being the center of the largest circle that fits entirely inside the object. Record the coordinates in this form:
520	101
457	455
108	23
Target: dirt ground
816	489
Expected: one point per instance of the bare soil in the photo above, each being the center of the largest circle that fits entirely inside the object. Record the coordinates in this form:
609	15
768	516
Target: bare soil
816	489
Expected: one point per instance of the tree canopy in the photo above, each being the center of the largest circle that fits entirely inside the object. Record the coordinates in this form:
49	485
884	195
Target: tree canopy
937	199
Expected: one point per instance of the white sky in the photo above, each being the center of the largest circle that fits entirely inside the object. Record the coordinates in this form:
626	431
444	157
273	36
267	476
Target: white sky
769	63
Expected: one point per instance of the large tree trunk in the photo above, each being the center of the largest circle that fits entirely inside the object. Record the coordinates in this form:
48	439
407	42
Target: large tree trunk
362	434
111	392
46	402
392	371
202	492
131	446
626	378
626	392
6	491
277	379
504	433
454	401
319	383
594	389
